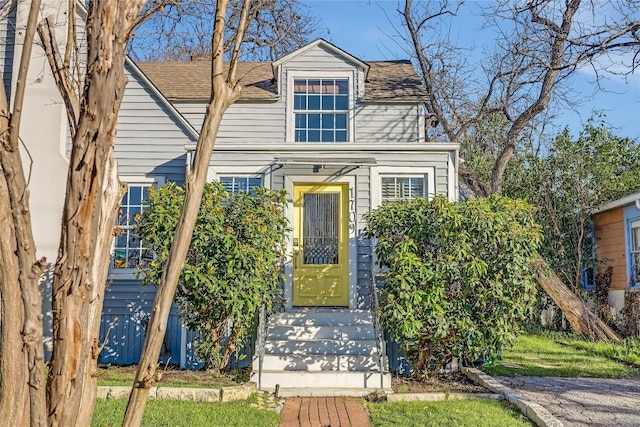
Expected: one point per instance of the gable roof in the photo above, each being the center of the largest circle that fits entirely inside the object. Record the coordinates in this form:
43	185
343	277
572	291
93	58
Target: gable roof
326	45
623	201
187	126
393	81
192	80
388	81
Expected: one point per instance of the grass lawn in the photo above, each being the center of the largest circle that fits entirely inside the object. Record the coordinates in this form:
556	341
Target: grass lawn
541	356
627	349
173	413
459	413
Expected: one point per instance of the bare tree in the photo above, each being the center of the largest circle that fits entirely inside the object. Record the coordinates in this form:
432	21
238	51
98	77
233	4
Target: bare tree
182	30
93	192
225	90
22	391
542	44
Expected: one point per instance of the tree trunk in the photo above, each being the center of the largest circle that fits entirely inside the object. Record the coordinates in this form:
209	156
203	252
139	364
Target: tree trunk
580	317
22	360
93	193
14	392
224	93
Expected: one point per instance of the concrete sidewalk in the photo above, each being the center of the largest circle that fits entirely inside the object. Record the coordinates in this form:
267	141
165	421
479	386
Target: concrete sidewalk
593	402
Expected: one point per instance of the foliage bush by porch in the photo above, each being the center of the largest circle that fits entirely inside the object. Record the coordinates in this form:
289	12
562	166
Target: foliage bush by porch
232	267
457	277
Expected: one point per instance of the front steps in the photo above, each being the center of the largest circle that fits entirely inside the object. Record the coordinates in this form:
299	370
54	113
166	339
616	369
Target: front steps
321	351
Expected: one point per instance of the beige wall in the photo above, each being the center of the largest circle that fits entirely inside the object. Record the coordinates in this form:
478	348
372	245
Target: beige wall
43	134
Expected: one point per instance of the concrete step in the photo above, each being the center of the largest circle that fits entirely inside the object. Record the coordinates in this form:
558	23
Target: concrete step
272	362
315	347
326	392
365	332
322	380
322	317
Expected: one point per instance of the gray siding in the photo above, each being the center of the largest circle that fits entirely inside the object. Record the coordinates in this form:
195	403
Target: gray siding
386	123
319	59
150	140
266	121
439	161
127	307
243	122
7	40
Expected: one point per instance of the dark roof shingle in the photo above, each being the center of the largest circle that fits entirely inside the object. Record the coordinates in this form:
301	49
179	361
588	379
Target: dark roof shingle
387	81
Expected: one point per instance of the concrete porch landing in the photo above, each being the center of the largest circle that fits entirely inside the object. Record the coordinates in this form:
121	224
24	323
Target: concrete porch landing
324	411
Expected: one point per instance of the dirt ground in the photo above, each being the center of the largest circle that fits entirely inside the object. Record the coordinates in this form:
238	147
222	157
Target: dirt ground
175	377
448	383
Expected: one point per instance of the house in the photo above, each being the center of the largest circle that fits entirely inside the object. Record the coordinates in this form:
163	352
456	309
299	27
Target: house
617	234
339	134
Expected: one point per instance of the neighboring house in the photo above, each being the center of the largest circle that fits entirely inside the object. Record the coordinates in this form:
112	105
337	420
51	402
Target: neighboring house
340	135
617	234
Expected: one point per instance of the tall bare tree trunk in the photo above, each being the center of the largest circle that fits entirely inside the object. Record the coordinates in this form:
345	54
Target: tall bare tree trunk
14	392
224	93
93	193
22	360
577	313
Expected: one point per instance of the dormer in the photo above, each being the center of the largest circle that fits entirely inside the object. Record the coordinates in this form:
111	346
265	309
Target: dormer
321	85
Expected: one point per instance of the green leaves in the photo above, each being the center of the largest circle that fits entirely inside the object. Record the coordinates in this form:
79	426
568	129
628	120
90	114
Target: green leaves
232	267
457	279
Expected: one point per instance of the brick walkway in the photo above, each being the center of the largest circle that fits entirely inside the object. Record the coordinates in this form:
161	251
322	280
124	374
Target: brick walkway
324	412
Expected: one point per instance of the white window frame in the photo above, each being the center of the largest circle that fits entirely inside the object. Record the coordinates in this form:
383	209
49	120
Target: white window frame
130	273
429	174
395	179
341	75
634	282
242	176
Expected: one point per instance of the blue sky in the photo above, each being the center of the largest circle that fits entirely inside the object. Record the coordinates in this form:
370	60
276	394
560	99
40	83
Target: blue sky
365	28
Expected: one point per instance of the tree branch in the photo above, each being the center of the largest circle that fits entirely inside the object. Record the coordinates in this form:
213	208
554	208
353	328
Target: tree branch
60	71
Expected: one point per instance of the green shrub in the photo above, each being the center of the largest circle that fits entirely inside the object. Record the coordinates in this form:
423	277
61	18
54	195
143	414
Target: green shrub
457	276
232	267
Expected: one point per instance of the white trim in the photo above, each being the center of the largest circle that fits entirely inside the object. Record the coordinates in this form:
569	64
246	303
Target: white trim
323	43
140	179
290	180
627	200
130	273
335	147
628	237
452	177
421	123
377	173
188	127
299	74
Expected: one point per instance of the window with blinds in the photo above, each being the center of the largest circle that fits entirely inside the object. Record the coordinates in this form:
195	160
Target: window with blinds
402	188
236	184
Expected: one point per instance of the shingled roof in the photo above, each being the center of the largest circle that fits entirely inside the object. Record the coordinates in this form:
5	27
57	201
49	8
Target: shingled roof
387	81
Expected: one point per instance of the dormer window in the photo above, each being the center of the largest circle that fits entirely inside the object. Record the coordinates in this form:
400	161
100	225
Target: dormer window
321	109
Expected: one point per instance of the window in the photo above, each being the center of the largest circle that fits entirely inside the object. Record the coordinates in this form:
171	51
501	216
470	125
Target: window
235	184
321	109
589	257
635	253
128	250
395	188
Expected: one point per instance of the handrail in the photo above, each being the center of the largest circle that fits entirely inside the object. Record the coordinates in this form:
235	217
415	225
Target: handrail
260	341
380	343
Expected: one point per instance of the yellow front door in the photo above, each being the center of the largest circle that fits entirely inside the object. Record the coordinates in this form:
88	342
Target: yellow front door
320	245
